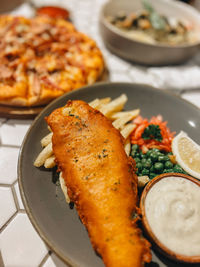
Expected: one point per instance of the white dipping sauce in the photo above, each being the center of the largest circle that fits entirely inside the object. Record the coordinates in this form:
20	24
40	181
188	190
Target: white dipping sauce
172	208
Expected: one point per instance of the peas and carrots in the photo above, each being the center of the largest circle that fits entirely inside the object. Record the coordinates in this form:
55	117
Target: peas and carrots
153	162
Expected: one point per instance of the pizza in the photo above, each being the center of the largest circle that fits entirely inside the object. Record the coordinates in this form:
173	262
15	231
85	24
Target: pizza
42	58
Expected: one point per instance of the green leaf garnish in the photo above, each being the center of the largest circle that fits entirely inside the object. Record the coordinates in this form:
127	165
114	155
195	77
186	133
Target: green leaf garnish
152	132
147	6
157	21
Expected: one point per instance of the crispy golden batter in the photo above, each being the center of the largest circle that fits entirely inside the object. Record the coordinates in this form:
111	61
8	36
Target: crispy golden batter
100	180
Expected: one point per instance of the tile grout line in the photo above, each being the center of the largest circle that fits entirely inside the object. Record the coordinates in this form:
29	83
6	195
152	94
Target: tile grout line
9	185
8	221
5	185
10	146
45	258
11	218
15	197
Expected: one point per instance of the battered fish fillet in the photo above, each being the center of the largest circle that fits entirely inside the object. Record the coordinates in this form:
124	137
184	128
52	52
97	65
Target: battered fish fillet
100	180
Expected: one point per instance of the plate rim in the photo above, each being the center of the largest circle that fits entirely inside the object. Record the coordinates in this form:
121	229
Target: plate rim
28	210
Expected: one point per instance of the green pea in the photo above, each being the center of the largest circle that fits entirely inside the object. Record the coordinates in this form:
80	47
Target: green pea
137	155
169	170
155	150
149	160
159	154
137	160
167	158
143	161
168	164
154	157
143	156
145	172
147	165
161	158
165	170
158	166
148	153
177	168
152	175
139	166
132	154
135	147
133	151
152	169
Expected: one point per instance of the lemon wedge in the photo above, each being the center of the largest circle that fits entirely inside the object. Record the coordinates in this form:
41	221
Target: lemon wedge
187	154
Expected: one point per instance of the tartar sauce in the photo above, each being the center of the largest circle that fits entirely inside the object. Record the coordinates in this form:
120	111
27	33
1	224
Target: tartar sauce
172	208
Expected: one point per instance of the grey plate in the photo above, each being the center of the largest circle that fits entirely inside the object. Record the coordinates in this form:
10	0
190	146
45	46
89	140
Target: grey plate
143	53
56	223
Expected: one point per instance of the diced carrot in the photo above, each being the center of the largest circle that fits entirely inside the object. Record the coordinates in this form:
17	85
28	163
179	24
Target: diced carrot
139	130
142	123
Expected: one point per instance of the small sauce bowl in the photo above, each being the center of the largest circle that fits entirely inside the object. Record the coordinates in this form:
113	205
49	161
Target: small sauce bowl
153	238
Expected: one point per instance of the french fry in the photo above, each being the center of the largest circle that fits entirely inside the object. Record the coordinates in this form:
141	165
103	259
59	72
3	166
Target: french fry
127	147
105	100
98	103
120	122
115	105
94	103
118	115
142	180
44	154
64	187
127	130
46	140
50	162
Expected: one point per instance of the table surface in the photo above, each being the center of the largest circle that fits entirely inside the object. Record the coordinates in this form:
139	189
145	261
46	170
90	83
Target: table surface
19	243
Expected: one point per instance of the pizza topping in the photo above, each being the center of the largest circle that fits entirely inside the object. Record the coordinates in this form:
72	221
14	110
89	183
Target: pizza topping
5	72
21	28
47	81
35	83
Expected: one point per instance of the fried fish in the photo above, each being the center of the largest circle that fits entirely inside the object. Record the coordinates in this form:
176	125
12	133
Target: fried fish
101	182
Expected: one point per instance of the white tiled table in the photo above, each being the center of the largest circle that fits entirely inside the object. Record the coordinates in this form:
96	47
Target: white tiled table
19	243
